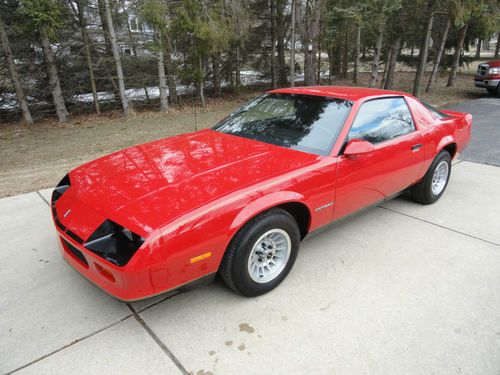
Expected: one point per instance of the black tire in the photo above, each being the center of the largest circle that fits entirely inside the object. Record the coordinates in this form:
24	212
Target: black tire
234	266
422	191
492	91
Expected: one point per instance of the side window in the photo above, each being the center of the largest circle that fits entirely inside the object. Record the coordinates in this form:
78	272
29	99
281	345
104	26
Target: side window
382	119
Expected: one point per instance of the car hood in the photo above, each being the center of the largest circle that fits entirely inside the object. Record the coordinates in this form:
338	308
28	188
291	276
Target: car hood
493	63
146	186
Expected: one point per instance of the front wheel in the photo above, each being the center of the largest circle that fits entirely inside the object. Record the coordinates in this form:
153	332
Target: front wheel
262	253
494	90
434	183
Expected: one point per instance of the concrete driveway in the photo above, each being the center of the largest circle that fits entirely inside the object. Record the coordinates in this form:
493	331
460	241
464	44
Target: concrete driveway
401	289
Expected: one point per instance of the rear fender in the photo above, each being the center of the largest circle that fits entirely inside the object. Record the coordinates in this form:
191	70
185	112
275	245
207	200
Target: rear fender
445	141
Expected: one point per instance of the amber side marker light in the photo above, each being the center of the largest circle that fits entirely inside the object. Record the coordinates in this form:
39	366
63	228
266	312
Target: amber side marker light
103	271
201	257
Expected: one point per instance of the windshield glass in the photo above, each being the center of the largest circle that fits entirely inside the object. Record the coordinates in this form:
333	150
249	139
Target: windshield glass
301	122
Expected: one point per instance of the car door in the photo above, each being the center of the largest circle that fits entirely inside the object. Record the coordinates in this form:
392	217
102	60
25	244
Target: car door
392	166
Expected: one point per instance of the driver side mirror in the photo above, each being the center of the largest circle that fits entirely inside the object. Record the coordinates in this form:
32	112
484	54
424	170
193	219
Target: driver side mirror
358	146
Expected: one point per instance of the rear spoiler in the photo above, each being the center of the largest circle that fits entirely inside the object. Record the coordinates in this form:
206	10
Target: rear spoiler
456	113
465	115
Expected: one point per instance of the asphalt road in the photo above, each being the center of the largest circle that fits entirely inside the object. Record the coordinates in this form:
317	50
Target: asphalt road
401	289
485	143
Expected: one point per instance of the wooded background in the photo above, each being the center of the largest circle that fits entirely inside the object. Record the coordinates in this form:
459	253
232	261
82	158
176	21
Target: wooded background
60	55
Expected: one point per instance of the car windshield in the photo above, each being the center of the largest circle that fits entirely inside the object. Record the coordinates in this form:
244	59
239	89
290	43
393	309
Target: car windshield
301	122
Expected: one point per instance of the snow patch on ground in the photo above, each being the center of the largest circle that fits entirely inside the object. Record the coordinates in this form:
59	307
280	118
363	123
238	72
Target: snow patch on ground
8	101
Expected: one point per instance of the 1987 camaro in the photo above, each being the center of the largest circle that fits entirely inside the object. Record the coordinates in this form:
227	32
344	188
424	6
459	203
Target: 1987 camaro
237	199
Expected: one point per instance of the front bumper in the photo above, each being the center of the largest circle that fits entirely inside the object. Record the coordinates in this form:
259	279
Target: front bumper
124	283
486	83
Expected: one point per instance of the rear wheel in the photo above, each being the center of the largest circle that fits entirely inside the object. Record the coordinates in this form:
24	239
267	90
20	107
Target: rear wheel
435	180
262	253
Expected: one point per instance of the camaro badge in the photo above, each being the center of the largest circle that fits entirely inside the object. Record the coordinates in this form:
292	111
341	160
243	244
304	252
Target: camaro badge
67	213
323	206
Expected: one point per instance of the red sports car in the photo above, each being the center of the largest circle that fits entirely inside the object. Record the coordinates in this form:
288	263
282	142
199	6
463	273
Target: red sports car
237	199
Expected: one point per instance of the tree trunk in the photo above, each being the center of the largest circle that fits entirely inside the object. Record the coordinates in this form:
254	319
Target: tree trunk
104	25
389	81
237	69
309	31
331	71
161	74
55	84
376	56
357	45
216	73
116	57
456	56
478	49
107	44
387	59
281	30
318	67
201	92
337	60
439	55
88	57
14	75
171	70
378	44
131	38
345	53
230	61
309	63
497	48
318	77
133	45
424	49
292	47
272	11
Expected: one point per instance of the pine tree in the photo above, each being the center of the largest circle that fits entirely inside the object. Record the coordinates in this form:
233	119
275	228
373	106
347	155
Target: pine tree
116	57
46	17
14	75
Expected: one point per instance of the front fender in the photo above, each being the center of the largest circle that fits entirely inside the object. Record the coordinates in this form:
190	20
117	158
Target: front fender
264	203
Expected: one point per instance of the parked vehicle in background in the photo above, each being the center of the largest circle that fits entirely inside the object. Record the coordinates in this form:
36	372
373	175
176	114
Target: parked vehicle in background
488	76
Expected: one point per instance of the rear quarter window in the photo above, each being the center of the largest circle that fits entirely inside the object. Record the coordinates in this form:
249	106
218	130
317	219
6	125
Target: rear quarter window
435	112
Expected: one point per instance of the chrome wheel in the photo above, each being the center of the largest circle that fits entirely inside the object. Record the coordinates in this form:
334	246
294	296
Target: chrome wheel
440	177
269	255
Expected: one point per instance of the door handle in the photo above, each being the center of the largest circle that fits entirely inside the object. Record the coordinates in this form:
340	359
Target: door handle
416	147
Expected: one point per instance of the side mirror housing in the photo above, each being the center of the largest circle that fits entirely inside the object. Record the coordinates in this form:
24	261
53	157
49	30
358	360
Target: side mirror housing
358	146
